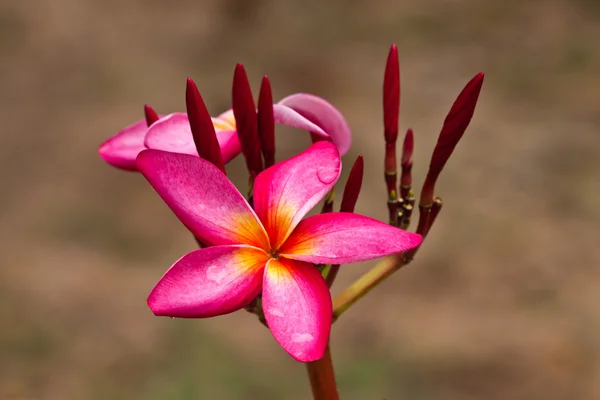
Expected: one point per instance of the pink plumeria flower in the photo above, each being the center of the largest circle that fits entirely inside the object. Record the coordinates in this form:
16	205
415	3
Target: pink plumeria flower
172	132
270	248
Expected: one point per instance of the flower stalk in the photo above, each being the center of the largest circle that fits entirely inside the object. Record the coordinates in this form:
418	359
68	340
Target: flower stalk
391	112
366	283
407	197
322	378
388	266
454	127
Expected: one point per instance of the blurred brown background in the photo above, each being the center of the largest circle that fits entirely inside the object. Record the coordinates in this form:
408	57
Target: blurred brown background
503	301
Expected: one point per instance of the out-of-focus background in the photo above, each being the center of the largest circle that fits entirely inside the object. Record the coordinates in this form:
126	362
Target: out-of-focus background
503	301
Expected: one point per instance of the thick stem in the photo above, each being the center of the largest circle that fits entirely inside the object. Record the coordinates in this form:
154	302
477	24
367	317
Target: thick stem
390	176
387	266
322	378
366	283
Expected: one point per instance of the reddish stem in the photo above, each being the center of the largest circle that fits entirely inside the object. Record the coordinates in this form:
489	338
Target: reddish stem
322	378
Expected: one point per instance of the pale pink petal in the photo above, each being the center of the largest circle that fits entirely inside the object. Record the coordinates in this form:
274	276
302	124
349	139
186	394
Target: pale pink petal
282	114
340	238
288	116
202	198
284	193
297	307
122	149
226	118
323	114
207	282
173	133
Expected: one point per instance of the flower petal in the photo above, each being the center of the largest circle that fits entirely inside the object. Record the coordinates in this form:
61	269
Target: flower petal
202	198
172	133
122	149
285	192
323	114
297	307
207	282
229	143
340	238
288	116
227	119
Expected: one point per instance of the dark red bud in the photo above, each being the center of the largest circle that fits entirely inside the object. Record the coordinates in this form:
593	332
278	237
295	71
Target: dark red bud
408	147
353	185
391	96
202	127
454	127
150	114
246	120
266	122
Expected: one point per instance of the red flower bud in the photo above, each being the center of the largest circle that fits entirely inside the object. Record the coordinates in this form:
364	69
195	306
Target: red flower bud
266	122
454	127
150	114
202	127
353	185
391	96
408	147
246	120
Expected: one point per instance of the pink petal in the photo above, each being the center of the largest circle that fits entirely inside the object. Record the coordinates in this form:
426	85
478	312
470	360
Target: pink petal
122	149
230	144
288	116
172	133
340	238
297	307
283	115
207	282
323	114
202	198
285	192
228	119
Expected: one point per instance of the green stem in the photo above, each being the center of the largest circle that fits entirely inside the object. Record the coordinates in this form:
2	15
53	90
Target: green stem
367	282
387	266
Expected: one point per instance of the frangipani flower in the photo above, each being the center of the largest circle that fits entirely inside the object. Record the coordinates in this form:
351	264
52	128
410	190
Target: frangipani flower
172	132
269	248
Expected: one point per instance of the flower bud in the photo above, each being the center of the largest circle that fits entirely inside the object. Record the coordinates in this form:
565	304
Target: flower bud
202	127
